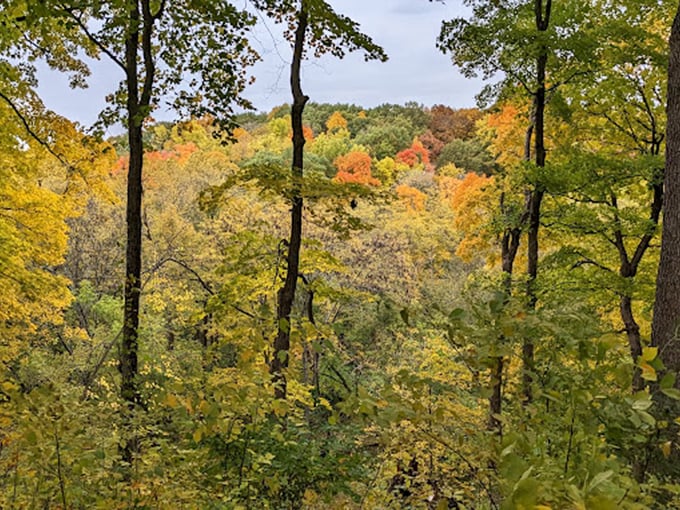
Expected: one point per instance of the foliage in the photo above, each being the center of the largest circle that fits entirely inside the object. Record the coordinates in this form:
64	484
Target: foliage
470	155
355	167
402	304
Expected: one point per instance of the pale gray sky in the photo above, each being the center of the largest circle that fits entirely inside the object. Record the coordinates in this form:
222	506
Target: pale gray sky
407	29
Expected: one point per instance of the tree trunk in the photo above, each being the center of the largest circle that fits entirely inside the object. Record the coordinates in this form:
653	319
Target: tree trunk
667	304
535	199
634	340
133	255
509	247
137	105
286	294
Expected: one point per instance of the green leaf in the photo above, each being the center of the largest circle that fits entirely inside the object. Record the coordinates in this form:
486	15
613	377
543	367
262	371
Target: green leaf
599	479
284	325
647	418
668	381
457	315
642	404
673	393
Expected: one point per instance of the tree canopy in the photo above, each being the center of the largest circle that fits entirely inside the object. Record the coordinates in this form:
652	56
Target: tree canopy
340	305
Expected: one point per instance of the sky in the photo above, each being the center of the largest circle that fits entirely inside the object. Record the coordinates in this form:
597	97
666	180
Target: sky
406	29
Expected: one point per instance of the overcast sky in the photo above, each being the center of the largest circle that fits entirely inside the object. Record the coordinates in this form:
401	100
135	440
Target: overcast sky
407	29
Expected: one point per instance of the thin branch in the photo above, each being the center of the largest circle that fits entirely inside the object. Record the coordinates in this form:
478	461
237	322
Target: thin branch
31	132
341	378
462	457
573	76
95	40
591	262
91	375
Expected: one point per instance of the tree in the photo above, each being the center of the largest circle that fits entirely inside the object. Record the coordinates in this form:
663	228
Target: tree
447	124
534	45
387	137
329	33
471	155
667	303
416	154
355	167
154	45
336	121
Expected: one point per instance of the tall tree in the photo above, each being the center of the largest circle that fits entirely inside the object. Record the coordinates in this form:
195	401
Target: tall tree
533	43
666	318
311	24
155	45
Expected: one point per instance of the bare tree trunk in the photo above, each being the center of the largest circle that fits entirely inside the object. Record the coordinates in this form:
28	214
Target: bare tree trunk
286	294
535	199
634	340
509	247
133	255
665	333
667	305
628	267
628	270
137	109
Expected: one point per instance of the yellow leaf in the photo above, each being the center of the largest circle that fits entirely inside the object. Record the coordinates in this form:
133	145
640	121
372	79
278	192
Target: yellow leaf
648	372
666	449
279	407
649	353
171	400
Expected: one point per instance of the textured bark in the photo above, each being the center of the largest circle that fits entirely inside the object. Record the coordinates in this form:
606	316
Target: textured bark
133	217
286	294
667	305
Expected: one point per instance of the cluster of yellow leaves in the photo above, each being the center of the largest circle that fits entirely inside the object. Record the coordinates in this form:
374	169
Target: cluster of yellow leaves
38	193
412	197
335	122
505	130
474	200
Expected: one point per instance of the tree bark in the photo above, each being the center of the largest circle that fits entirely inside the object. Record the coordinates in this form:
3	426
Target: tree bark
286	294
634	340
133	260
667	304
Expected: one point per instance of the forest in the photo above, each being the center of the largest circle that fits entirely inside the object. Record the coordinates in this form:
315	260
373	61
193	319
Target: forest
402	306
